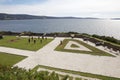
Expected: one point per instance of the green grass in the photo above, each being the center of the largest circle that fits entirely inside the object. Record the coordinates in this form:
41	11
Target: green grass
74	46
78	78
22	43
94	51
10	59
78	73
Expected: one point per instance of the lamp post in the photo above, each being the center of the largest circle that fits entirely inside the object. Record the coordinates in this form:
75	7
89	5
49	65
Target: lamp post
43	35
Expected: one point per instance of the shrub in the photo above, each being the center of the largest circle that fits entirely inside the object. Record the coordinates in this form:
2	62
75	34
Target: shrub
1	37
15	73
107	38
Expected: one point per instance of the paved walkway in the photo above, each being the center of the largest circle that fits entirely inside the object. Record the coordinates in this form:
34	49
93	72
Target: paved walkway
17	51
70	74
108	66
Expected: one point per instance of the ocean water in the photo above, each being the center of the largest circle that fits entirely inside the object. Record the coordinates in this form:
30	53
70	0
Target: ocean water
91	26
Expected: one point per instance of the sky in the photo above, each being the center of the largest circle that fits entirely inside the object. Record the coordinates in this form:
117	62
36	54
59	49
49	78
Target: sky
75	8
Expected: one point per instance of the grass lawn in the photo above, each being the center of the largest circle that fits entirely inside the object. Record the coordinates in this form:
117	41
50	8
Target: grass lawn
74	46
78	73
94	51
10	59
22	43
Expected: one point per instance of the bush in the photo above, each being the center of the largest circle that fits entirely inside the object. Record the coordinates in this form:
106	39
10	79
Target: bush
107	38
1	37
15	73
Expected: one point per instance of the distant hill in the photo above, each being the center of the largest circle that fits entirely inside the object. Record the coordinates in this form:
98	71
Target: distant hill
115	18
4	16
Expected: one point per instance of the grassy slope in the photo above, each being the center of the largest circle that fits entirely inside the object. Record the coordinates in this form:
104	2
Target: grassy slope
22	43
107	42
95	51
9	59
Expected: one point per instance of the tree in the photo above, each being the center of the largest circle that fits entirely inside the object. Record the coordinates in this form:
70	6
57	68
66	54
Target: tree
1	37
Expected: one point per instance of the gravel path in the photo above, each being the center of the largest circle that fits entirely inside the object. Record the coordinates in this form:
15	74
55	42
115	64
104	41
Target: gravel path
108	66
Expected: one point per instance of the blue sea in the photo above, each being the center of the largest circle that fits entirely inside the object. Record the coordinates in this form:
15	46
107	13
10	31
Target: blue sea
90	26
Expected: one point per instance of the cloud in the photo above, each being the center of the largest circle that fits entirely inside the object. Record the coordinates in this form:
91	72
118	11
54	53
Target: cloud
93	8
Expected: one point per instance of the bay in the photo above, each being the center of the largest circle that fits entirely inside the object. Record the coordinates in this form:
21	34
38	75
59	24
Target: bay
90	26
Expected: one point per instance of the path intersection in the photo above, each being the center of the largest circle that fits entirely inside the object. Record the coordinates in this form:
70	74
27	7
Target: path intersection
102	65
